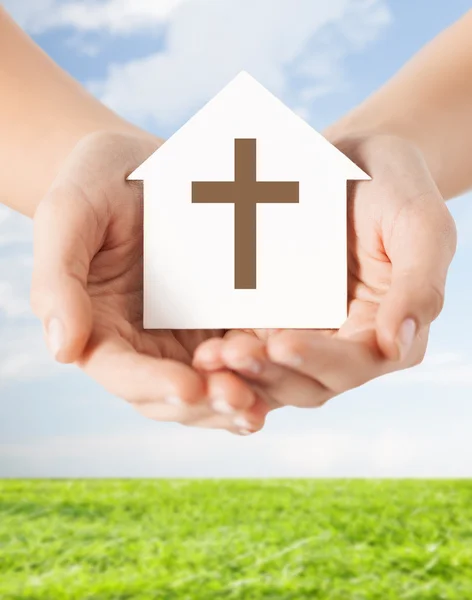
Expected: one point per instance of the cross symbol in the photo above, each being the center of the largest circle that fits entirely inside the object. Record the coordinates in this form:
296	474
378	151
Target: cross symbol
245	192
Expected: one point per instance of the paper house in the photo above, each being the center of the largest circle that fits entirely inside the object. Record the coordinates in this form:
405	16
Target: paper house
245	219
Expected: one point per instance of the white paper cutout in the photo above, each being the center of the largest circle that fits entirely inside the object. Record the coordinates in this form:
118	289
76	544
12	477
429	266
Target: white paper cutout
189	254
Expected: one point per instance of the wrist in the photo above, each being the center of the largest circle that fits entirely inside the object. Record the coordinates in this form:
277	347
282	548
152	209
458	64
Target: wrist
355	130
54	151
355	127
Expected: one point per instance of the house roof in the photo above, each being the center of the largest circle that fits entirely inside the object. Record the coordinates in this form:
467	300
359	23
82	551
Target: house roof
244	95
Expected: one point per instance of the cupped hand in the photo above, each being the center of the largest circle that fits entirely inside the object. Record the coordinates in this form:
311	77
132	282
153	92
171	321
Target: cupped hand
88	291
401	240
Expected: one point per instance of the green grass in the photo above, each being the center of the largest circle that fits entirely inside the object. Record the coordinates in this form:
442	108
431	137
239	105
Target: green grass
284	540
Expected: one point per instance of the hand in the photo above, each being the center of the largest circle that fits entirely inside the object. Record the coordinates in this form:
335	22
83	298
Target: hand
401	241
87	290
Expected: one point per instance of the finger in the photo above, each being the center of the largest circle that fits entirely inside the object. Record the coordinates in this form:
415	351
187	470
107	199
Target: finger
185	414
420	248
276	383
207	356
337	364
245	420
201	415
255	416
65	234
243	423
228	394
139	378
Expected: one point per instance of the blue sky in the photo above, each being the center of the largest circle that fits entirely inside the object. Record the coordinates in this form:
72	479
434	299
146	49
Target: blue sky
146	61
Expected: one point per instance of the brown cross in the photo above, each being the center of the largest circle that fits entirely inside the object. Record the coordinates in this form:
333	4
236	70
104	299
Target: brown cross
245	192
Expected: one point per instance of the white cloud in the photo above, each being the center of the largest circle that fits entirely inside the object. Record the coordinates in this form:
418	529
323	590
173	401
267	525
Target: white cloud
14	228
11	304
83	48
209	41
4	214
178	452
461	209
24	355
116	16
15	264
30	14
449	368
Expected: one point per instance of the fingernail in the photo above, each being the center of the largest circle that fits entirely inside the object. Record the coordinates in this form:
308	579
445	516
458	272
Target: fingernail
174	401
221	406
55	336
243	425
406	336
245	432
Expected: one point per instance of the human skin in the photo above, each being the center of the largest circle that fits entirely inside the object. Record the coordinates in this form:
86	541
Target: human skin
413	136
400	249
400	244
44	114
67	158
429	103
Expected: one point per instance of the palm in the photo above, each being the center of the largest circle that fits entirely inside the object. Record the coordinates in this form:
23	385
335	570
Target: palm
369	268
98	217
116	289
100	229
115	286
115	281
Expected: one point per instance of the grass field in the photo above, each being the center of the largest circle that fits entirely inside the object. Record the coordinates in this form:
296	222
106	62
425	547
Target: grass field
294	539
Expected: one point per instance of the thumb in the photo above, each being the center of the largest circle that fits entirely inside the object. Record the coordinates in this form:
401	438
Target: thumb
420	248
65	228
